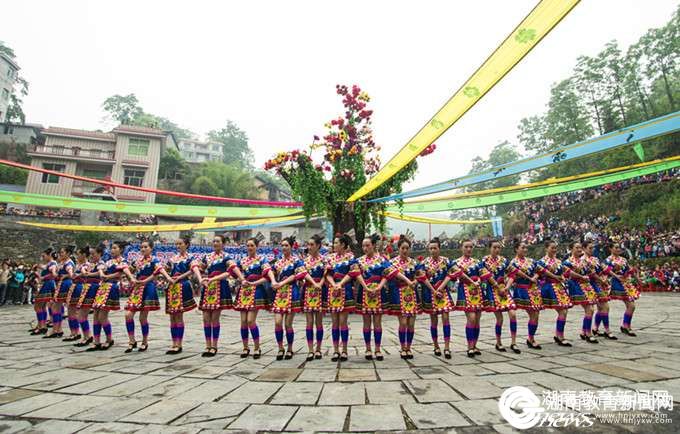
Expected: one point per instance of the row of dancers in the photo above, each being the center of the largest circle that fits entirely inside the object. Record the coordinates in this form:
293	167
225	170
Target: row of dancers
337	284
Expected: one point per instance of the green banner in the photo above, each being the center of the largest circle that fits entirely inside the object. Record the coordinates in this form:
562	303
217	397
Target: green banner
532	193
142	207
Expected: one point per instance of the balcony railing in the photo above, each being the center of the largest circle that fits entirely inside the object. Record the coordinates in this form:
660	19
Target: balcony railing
99	154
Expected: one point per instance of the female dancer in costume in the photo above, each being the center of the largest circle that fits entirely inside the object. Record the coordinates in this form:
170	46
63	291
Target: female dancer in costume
601	286
404	299
108	294
289	271
314	295
92	280
340	293
471	275
580	290
215	291
179	297
526	293
622	287
73	296
553	289
498	299
373	271
252	296
64	283
433	276
144	296
47	277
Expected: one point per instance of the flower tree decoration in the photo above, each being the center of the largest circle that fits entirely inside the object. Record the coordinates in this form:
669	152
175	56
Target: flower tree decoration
337	164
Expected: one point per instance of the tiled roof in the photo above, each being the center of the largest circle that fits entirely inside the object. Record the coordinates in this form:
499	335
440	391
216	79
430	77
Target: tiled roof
136	129
72	132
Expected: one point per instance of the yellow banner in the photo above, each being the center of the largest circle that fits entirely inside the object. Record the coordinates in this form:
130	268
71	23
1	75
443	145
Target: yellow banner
418	219
526	36
549	181
161	228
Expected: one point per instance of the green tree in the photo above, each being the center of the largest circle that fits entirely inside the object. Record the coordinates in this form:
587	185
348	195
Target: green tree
123	108
662	47
235	145
15	112
172	165
503	153
12	175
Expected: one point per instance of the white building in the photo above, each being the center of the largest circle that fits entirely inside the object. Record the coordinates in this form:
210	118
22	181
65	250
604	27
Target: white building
8	75
194	151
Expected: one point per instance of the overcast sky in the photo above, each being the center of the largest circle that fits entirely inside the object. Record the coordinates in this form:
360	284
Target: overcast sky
272	66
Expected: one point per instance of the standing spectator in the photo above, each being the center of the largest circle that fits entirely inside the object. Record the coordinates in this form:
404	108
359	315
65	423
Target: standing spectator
12	285
20	277
4	277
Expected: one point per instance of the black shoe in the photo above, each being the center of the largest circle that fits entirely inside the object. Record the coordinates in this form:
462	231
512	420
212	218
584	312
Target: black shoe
514	349
310	357
211	352
71	338
288	356
624	330
107	345
477	352
143	347
257	354
96	347
562	342
597	333
379	357
409	355
317	355
280	354
533	345
368	355
582	336
447	354
403	355
83	344
437	352
501	348
54	335
471	353
173	351
592	340
131	347
336	357
610	336
343	357
39	332
631	333
206	353
246	352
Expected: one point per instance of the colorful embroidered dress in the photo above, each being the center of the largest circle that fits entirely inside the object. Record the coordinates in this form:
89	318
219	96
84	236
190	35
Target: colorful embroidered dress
470	297
342	299
90	286
580	291
46	292
145	297
597	270
493	301
249	297
373	269
287	298
404	298
526	293
313	299
179	296
216	295
76	289
64	281
435	270
553	292
621	289
108	293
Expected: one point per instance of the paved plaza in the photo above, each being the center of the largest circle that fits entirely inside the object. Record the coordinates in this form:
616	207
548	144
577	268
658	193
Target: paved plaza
47	386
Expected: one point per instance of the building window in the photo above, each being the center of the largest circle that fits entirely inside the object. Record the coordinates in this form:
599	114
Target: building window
48	178
95	173
139	147
134	177
5	94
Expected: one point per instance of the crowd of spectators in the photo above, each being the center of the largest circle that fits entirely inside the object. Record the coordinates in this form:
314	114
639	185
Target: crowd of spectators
39	212
117	220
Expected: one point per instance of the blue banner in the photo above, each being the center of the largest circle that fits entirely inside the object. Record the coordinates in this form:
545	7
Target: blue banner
626	136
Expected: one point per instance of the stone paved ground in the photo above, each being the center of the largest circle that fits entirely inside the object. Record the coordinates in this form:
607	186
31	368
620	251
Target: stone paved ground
47	386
